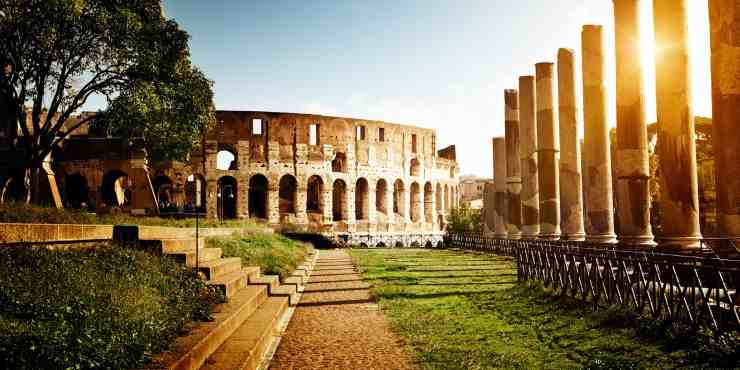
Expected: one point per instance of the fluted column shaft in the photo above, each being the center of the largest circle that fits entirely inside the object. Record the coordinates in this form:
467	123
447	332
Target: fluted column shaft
571	197
528	158
679	194
513	173
724	21
596	146
548	152
499	178
632	159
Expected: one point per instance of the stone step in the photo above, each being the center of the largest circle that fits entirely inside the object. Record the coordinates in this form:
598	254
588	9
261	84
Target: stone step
289	291
246	347
191	351
231	283
175	245
297	281
220	267
204	255
271	281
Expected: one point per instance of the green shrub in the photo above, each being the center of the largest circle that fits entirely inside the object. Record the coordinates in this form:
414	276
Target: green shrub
104	307
273	253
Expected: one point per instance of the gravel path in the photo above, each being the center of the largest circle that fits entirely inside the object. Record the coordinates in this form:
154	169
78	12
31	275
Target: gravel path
337	326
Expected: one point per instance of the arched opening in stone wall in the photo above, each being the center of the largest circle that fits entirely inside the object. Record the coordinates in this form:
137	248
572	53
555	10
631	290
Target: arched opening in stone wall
438	199
226	159
288	190
14	190
163	191
362	200
381	194
314	196
227	197
115	191
339	164
258	196
415	204
428	199
415	168
76	191
339	200
195	194
399	198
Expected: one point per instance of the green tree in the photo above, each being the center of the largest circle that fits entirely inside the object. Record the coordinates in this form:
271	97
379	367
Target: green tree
464	219
56	54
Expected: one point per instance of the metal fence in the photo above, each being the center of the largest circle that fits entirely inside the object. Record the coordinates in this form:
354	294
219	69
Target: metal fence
695	290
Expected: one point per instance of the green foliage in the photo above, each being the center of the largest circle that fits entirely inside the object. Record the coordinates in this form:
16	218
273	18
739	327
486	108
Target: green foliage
273	253
104	307
460	310
26	213
57	54
464	219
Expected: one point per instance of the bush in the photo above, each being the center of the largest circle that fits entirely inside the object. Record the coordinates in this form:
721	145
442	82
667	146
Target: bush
273	253
464	220
103	307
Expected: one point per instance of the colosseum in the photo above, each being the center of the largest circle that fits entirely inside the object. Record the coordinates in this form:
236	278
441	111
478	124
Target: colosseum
357	181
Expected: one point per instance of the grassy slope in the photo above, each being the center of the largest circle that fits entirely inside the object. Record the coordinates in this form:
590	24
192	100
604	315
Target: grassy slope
274	253
481	319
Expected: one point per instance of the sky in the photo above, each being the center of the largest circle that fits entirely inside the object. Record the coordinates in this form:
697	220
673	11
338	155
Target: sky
441	64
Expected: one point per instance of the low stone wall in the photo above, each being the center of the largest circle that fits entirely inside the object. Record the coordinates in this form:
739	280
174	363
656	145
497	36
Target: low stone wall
35	233
391	240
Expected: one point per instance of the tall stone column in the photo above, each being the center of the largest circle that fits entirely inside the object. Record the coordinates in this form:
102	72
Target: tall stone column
724	21
679	196
528	157
548	152
273	205
300	207
499	178
632	159
596	147
571	197
513	172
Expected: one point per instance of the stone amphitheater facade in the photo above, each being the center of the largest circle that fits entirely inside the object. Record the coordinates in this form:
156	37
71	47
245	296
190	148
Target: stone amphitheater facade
361	182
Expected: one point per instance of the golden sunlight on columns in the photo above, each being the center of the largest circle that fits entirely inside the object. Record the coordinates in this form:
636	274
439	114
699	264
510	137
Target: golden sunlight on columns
596	152
679	201
571	203
724	23
499	178
632	159
548	152
528	157
513	174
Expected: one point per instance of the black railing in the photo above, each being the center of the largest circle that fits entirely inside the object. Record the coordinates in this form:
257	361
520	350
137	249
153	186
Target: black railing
697	290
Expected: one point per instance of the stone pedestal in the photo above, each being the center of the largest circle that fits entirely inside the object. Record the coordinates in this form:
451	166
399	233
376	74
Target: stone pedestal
513	172
596	147
499	178
528	158
632	159
679	200
548	152
571	197
724	22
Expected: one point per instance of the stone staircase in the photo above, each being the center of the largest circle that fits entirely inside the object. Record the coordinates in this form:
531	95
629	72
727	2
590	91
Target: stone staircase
244	327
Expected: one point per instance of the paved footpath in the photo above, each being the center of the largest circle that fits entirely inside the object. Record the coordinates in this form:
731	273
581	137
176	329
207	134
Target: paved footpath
337	326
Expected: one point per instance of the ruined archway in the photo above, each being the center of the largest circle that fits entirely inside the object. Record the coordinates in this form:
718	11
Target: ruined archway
415	205
362	200
227	197
339	164
258	196
428	200
226	159
163	192
288	191
339	200
415	168
314	196
381	194
76	191
399	198
115	184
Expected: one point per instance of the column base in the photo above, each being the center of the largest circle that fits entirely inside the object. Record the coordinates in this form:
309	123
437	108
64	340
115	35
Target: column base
637	241
500	236
680	244
553	236
576	237
514	236
607	239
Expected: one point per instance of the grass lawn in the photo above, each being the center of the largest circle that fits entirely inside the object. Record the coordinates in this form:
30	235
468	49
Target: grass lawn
273	253
461	310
